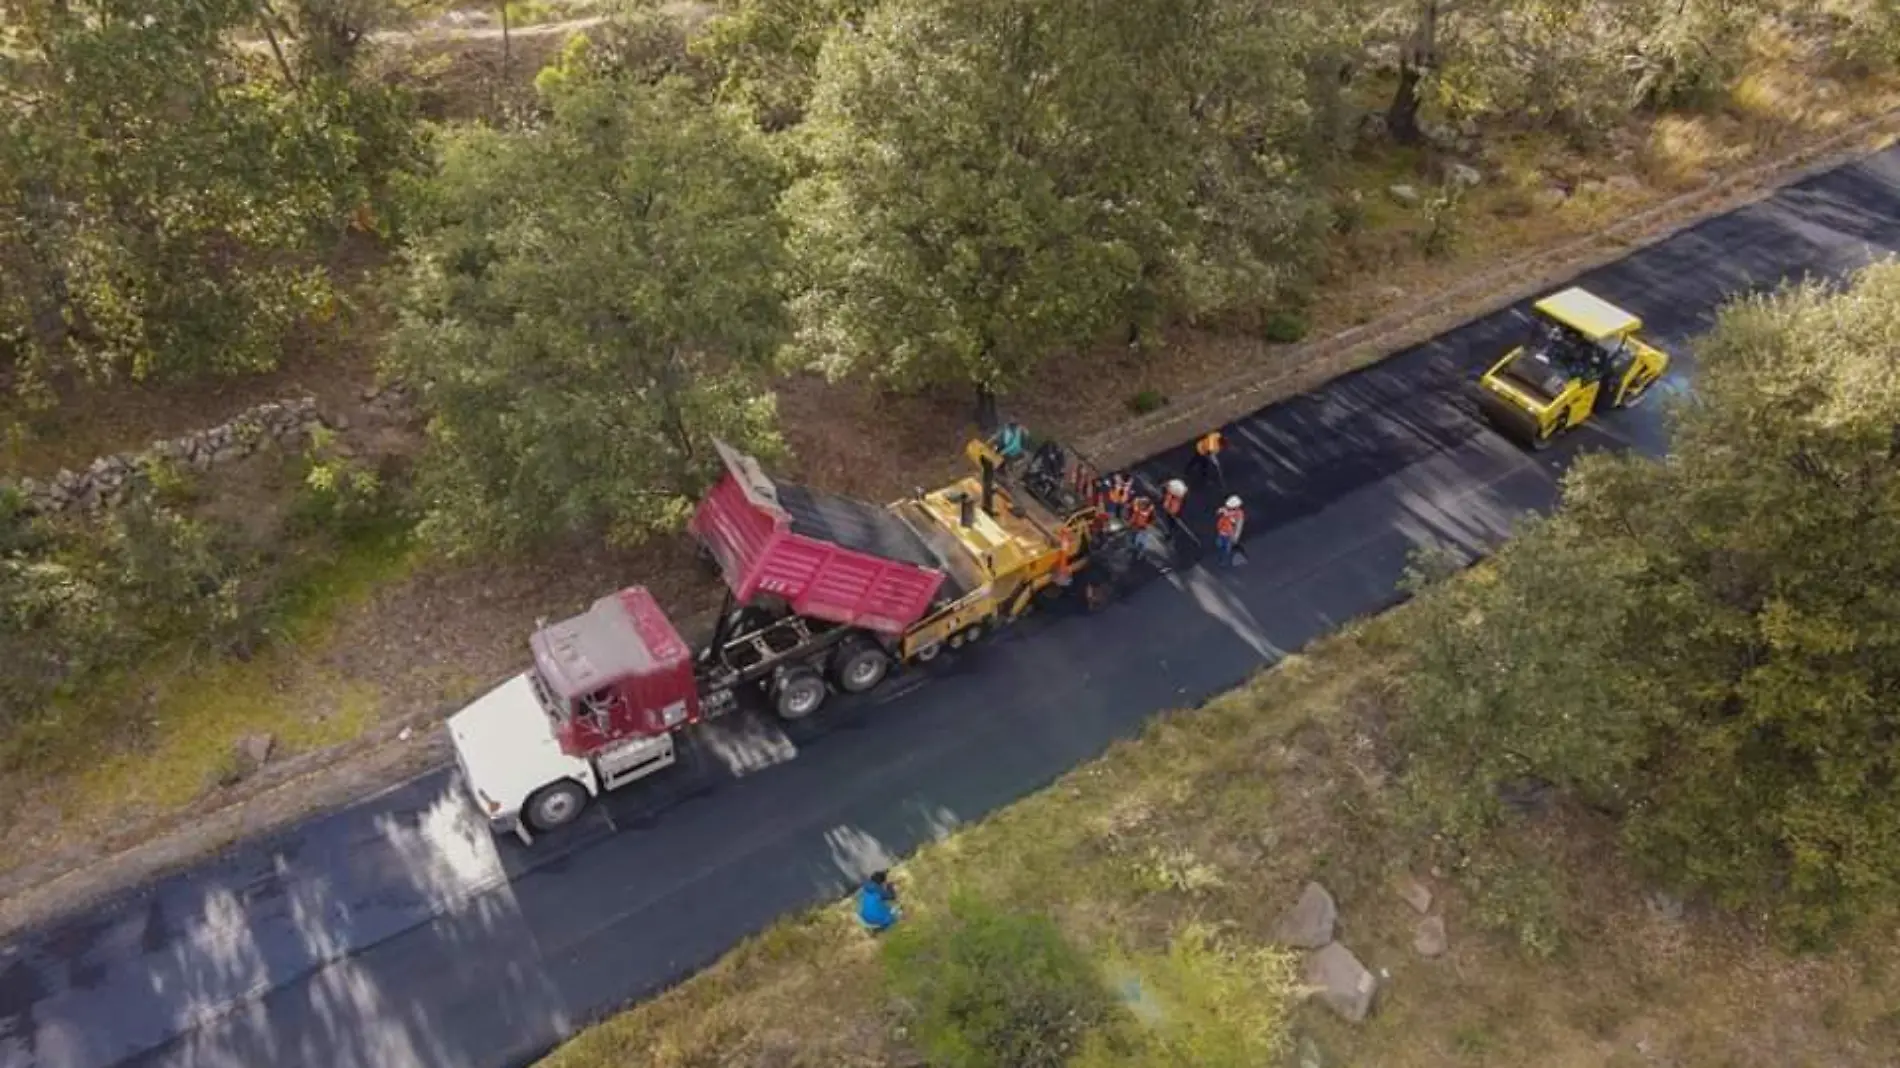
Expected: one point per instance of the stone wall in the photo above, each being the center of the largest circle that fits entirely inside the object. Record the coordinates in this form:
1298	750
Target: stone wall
277	424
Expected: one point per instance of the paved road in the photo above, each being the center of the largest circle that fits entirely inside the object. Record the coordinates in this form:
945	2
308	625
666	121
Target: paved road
398	933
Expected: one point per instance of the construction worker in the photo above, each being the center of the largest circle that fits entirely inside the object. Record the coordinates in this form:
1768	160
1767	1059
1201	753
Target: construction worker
877	903
1229	522
1011	441
1141	519
1207	452
1173	497
1121	490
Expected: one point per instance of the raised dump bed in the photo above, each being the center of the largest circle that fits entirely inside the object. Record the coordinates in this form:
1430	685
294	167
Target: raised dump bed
826	557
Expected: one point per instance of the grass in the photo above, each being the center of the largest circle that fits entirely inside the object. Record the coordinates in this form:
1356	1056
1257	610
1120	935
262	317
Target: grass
1213	820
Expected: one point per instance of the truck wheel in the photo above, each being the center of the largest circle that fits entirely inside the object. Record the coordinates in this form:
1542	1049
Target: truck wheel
860	666
555	805
798	693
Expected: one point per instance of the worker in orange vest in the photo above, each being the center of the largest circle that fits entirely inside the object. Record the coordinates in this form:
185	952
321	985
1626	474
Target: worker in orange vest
1121	490
1141	513
1173	497
1141	519
1207	452
1065	569
1228	524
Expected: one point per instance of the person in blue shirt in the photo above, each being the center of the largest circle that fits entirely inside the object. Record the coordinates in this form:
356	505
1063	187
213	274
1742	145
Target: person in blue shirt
877	903
1011	441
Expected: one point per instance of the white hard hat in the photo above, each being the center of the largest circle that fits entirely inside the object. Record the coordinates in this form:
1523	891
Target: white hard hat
1177	487
1233	502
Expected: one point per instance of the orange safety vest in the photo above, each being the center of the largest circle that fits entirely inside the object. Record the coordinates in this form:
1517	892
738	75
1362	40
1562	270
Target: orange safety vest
1227	523
1171	503
1209	444
1066	541
1121	489
1143	514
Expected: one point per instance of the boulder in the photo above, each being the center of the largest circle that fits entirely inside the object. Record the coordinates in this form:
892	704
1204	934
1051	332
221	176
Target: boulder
1463	175
1341	982
1414	893
1309	923
1404	194
1430	939
255	749
1667	907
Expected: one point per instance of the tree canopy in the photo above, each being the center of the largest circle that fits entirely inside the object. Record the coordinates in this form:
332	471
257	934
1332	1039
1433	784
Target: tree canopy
589	301
161	195
986	182
1708	647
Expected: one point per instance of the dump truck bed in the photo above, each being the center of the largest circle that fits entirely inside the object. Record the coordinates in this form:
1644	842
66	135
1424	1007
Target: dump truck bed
828	557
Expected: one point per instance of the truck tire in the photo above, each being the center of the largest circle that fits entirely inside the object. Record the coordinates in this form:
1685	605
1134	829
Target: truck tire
555	805
859	666
798	692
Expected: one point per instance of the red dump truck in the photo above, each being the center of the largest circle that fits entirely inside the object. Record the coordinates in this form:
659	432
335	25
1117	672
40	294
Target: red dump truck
823	593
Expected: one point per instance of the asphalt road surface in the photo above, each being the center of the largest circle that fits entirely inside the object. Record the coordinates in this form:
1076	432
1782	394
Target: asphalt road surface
399	932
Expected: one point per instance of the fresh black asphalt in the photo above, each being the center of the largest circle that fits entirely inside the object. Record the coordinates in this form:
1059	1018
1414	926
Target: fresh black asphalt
399	932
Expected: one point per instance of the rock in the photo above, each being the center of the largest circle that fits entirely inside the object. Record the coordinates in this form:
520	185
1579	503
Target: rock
1414	893
1667	906
1430	939
255	749
1463	175
1341	982
1391	293
1404	194
1309	923
1626	183
1308	1055
339	421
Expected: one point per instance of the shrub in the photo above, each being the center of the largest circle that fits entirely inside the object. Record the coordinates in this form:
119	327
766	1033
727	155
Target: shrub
984	987
78	598
338	495
1440	235
1148	400
1284	327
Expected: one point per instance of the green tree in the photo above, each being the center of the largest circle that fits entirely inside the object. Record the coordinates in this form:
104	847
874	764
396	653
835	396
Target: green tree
1579	66
1708	647
766	52
589	301
162	197
987	181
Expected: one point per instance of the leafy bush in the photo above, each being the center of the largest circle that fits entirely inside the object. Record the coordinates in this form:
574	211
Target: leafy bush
1440	235
984	987
1147	400
78	598
1284	327
337	494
